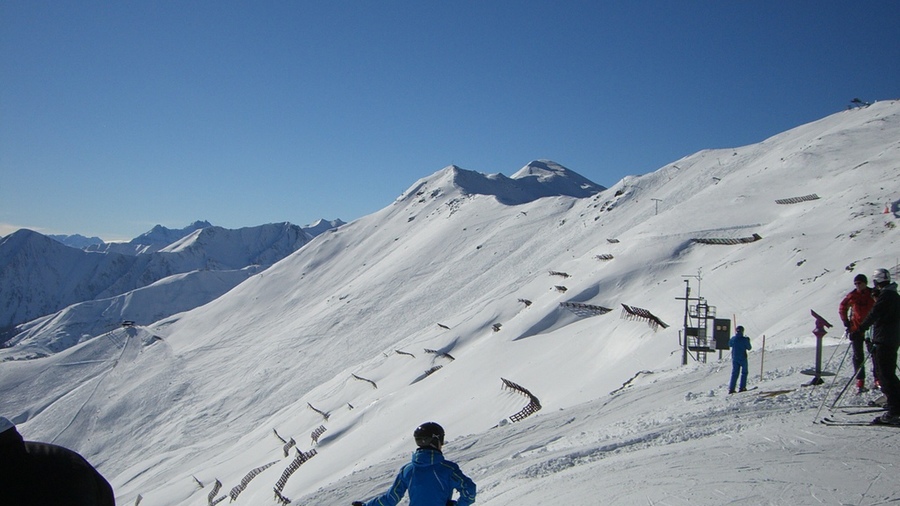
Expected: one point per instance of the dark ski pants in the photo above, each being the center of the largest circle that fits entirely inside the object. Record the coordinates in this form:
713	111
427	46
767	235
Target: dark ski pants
738	368
886	363
857	340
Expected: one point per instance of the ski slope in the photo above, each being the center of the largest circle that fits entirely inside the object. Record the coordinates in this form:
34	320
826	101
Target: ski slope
416	313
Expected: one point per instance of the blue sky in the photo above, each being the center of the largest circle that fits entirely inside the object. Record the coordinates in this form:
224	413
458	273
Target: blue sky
117	116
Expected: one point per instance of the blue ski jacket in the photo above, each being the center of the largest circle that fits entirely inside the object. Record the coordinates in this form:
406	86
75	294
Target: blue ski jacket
430	480
740	345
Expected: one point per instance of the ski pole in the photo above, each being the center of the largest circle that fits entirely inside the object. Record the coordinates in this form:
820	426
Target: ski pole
827	392
852	377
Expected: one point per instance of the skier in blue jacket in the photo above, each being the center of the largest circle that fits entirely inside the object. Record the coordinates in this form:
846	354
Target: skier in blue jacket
429	478
740	345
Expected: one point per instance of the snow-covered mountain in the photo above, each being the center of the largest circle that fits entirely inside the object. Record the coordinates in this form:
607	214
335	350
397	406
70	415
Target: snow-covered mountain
149	242
321	226
39	276
421	310
160	237
77	241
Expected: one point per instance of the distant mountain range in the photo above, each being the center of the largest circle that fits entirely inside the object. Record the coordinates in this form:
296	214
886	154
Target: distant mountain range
42	279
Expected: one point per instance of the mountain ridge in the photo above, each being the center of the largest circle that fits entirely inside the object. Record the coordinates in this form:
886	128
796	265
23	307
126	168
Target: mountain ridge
41	276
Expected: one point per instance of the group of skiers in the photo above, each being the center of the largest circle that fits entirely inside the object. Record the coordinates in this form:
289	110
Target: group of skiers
877	308
863	308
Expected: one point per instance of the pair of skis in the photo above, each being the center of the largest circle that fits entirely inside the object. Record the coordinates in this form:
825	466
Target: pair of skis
856	422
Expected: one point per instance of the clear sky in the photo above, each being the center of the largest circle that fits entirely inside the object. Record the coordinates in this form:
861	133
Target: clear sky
117	116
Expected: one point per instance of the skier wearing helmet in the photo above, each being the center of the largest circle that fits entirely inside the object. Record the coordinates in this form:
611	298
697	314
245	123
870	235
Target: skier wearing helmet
429	478
885	322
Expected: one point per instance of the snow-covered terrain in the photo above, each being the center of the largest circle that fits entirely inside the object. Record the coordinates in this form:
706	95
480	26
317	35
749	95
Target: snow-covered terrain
420	311
56	296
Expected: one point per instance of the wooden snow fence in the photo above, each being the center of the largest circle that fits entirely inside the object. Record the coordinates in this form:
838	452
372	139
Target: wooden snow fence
211	498
360	378
739	240
431	371
236	491
440	353
585	310
637	313
797	200
533	406
316	434
298	461
286	449
319	411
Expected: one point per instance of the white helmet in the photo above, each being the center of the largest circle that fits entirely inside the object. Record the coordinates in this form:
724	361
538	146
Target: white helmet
881	276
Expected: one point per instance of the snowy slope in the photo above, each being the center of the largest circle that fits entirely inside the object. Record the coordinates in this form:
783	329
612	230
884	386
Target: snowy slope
40	276
197	397
86	320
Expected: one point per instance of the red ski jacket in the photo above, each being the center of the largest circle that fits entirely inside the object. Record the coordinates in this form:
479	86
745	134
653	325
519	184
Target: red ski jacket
855	307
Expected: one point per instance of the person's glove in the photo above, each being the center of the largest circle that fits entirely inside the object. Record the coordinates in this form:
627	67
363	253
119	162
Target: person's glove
451	502
357	503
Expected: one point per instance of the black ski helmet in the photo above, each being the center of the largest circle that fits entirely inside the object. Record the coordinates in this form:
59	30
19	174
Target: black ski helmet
881	277
429	435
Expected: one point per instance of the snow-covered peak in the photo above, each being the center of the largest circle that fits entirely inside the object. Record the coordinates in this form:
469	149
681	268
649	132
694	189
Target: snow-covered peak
232	249
322	225
19	239
538	179
163	236
557	180
77	240
152	241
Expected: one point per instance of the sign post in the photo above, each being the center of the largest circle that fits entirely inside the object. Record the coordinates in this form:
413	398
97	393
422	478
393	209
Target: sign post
819	332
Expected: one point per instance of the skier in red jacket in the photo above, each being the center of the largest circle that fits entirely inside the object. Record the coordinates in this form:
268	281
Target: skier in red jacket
853	309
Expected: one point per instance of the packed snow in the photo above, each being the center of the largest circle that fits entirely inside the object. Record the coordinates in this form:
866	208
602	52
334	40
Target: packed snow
420	312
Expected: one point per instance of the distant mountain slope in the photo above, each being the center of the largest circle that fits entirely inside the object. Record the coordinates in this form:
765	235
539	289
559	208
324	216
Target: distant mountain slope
77	241
149	242
160	237
39	276
85	320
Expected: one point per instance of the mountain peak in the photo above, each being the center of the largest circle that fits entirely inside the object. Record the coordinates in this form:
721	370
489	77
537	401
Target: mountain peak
538	179
557	178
